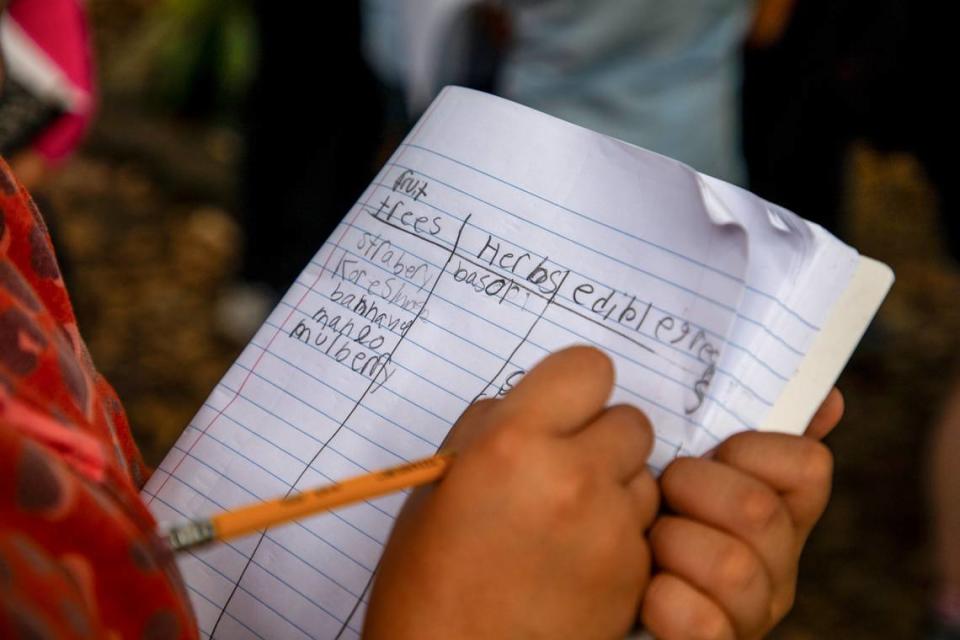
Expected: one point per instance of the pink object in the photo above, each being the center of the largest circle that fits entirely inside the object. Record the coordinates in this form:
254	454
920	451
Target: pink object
59	28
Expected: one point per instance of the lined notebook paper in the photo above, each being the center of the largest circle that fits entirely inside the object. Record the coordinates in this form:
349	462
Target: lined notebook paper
493	236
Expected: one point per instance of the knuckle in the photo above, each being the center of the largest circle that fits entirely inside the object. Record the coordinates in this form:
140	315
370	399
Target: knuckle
759	506
737	568
568	495
505	445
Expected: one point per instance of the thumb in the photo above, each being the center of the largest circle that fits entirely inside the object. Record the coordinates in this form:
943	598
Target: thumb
827	416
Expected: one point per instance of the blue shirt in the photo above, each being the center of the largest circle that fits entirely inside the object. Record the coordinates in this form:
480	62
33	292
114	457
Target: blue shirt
661	74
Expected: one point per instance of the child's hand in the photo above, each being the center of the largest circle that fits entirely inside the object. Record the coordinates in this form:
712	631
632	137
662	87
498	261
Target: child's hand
538	529
727	558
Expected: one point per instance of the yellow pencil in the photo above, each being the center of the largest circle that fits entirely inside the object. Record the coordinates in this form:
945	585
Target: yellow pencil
261	515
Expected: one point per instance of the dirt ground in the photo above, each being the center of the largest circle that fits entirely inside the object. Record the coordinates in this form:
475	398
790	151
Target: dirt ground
143	218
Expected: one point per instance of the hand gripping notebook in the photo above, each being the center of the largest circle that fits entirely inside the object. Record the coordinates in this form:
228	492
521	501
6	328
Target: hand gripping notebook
495	235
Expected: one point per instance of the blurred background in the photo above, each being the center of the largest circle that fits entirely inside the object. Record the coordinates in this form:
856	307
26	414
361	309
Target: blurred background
202	150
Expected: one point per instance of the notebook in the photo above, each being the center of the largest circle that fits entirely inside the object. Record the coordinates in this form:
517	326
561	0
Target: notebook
495	235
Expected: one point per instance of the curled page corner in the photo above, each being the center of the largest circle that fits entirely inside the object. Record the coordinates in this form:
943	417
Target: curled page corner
715	207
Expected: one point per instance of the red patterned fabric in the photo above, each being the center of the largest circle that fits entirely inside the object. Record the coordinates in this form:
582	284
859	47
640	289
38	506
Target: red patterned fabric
79	557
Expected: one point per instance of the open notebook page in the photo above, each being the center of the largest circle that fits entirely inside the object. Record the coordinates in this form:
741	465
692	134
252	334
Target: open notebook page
493	236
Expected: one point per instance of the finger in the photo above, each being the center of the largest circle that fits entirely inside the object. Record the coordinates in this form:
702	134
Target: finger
646	496
731	500
720	566
563	392
798	468
827	416
618	441
471	424
673	609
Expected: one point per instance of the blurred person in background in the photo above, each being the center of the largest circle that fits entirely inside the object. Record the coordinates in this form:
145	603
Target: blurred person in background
48	100
662	75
